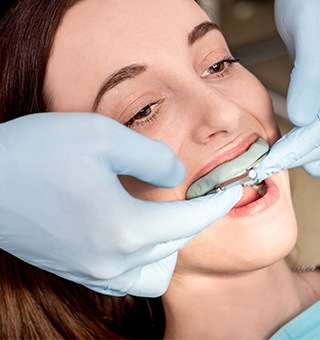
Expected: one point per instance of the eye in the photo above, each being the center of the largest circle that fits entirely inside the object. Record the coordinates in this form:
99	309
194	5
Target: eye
145	112
144	116
221	68
216	68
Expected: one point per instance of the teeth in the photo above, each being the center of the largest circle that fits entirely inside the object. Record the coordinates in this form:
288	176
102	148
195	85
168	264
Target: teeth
260	188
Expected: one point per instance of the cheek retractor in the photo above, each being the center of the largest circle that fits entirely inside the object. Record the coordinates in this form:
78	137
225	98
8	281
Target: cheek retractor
237	171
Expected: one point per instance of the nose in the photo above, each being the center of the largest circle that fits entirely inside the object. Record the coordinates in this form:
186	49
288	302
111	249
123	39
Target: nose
212	111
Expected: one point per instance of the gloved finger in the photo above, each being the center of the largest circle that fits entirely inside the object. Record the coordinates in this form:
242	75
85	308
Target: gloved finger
155	253
148	281
310	158
283	155
298	147
149	160
154	278
154	245
121	149
303	101
313	168
176	220
298	27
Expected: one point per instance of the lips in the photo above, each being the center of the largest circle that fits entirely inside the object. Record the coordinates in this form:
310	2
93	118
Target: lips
253	203
227	154
255	198
251	194
235	170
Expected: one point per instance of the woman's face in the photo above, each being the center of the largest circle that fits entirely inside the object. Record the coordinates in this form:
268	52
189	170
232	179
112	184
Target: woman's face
160	68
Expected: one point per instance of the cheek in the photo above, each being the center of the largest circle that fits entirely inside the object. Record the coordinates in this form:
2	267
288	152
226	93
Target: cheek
257	102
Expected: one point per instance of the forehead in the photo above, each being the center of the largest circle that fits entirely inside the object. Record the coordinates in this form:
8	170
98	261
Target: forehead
115	20
97	37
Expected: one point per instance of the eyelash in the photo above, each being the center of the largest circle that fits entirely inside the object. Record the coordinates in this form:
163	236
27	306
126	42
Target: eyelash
220	74
146	119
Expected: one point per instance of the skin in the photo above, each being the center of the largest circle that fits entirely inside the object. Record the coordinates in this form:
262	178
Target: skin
205	118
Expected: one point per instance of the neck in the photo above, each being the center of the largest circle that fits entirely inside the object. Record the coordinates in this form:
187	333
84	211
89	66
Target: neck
234	306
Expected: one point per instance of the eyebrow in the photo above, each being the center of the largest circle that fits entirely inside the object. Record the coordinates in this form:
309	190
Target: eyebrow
132	71
125	73
200	31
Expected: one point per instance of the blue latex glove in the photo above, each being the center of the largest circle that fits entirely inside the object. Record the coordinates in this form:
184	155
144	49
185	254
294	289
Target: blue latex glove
300	146
298	23
63	208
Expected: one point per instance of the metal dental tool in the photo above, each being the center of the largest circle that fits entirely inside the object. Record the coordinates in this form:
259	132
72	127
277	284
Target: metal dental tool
237	171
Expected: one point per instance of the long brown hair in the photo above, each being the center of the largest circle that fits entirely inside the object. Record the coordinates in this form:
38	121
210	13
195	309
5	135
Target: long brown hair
35	304
27	32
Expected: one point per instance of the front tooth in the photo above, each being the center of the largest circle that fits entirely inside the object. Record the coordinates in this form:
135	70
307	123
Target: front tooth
260	188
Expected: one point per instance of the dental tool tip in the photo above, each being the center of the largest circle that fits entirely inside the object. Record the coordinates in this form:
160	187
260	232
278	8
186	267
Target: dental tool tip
253	174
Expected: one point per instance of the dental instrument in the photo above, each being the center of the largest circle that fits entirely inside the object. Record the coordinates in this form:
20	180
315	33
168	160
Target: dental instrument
299	147
240	170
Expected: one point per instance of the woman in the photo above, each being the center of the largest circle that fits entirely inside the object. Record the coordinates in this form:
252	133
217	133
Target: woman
154	84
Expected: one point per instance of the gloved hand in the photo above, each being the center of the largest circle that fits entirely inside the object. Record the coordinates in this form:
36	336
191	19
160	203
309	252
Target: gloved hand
298	147
63	208
298	23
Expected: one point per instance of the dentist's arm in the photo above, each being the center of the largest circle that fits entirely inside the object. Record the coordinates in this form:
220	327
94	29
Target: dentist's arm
63	209
298	23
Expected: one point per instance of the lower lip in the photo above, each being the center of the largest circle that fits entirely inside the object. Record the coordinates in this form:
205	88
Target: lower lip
271	197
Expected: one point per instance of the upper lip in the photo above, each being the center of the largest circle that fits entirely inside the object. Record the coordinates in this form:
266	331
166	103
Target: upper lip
229	152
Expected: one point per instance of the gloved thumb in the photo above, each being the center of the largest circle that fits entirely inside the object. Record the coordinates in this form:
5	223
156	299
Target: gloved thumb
313	168
303	102
149	160
298	25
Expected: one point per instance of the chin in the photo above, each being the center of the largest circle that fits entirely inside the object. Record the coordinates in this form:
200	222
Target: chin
240	243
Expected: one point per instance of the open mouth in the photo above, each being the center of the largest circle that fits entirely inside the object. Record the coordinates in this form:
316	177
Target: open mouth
260	188
252	194
256	199
236	171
